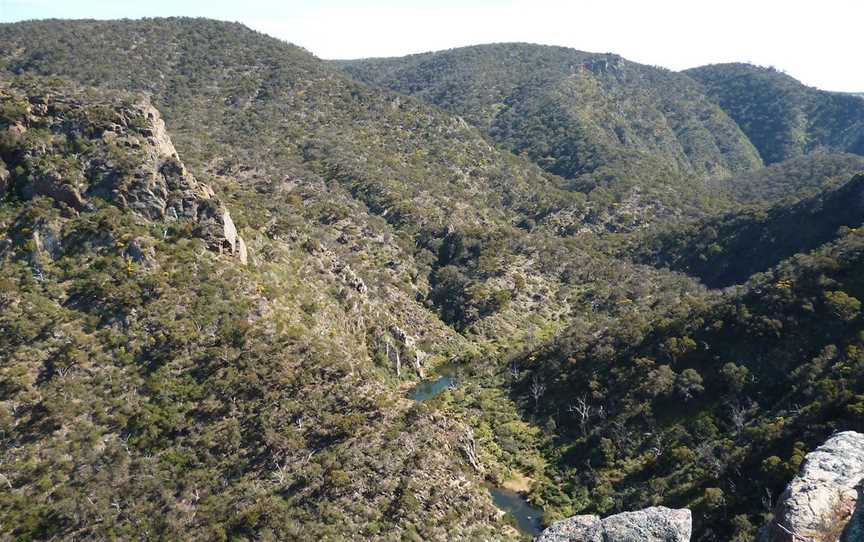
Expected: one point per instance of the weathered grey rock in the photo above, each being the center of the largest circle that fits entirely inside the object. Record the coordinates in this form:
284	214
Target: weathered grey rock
242	251
46	243
140	251
157	134
582	528
46	240
214	225
229	230
408	345
821	499
350	277
160	186
656	524
136	167
167	189
55	187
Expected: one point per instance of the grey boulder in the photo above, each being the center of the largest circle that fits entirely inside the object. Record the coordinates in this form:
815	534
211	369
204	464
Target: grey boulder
818	503
655	524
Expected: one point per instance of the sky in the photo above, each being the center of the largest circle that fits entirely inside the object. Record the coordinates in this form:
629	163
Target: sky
817	42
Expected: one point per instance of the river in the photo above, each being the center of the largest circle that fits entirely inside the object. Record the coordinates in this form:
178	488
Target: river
529	518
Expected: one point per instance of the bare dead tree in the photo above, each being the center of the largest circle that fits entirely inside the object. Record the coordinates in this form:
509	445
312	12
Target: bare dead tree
583	410
601	412
281	474
705	451
738	418
537	390
659	445
398	363
768	501
514	374
469	448
419	358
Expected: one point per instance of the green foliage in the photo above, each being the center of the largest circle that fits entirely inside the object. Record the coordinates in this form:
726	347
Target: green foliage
782	117
792	179
842	305
730	248
173	392
794	335
162	392
604	123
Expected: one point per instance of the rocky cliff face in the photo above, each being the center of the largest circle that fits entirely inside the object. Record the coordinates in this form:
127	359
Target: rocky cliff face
818	504
82	151
656	524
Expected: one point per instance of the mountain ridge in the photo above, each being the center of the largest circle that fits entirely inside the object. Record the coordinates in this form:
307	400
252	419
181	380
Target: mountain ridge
152	381
596	119
783	117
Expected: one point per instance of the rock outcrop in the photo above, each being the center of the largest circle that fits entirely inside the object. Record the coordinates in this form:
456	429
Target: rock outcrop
656	524
161	187
818	504
78	150
141	252
408	345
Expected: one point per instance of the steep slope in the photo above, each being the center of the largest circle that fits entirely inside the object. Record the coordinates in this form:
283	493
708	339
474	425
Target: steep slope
368	217
782	117
596	119
266	102
278	119
712	408
299	142
822	500
792	179
729	249
783	183
154	385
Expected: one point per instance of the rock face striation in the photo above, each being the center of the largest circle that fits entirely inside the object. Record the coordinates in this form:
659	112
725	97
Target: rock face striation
822	503
656	524
78	149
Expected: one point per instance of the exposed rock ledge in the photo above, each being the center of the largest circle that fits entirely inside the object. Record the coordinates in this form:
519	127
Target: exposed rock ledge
128	160
162	188
822	503
656	524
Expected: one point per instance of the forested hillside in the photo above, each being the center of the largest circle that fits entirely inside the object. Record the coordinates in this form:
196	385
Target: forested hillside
729	249
371	222
275	117
782	117
225	263
152	385
792	179
614	128
712	408
744	360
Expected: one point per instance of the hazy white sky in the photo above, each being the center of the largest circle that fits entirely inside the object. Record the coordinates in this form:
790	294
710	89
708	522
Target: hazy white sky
818	42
